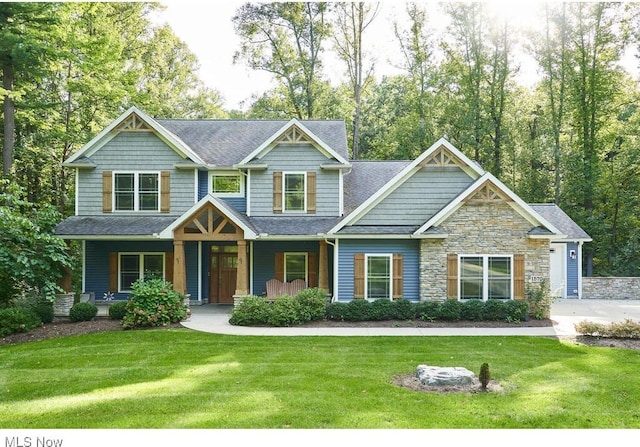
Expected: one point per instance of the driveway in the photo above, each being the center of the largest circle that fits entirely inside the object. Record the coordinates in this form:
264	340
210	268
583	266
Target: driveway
567	312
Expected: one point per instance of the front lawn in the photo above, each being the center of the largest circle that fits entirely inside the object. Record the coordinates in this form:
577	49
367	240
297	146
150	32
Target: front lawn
184	379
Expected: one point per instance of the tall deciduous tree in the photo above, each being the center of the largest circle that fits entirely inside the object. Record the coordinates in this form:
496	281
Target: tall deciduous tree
286	40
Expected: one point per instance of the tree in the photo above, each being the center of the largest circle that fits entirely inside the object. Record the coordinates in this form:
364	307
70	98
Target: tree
352	20
285	39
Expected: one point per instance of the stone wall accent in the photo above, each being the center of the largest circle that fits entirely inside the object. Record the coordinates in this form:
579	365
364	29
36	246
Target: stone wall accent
611	288
492	228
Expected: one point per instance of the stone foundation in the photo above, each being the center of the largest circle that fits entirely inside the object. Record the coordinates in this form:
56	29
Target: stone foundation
611	288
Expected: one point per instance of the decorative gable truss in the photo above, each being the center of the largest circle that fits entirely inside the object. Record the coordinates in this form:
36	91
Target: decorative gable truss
294	136
133	123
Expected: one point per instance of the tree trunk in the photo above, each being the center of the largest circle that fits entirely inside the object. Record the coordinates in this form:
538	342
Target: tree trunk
9	119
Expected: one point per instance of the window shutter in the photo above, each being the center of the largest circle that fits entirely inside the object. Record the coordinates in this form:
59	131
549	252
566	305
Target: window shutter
277	192
168	266
279	267
358	275
398	275
113	272
518	277
311	192
312	269
165	191
452	277
107	191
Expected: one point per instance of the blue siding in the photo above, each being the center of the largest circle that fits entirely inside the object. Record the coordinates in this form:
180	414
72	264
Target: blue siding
410	250
97	262
264	254
572	269
239	203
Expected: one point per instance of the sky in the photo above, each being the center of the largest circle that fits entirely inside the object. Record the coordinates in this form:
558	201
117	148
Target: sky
206	27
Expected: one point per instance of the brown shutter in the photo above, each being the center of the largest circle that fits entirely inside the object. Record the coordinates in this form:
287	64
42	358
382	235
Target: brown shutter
277	192
113	272
358	275
311	192
107	191
518	277
397	276
452	277
168	266
312	269
279	267
165	191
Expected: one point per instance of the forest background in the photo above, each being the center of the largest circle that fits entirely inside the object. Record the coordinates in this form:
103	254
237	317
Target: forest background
570	137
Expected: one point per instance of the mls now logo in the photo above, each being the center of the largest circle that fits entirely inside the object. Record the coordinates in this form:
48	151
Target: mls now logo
28	441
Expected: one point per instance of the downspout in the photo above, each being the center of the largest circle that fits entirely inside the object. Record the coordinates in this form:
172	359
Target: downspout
334	297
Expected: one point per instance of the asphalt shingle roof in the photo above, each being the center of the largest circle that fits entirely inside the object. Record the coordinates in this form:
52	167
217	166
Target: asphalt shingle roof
367	177
113	225
560	220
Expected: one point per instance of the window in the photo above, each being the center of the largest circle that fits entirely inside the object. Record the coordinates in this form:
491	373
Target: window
294	191
136	191
295	267
378	277
134	266
228	184
485	277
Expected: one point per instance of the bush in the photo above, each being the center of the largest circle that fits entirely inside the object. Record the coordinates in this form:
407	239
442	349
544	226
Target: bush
83	312
14	319
626	329
285	311
251	310
495	310
403	310
313	303
118	310
357	310
428	310
44	310
450	310
540	300
154	303
336	311
381	309
472	310
516	310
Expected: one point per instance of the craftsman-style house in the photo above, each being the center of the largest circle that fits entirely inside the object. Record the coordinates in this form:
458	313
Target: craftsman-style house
224	208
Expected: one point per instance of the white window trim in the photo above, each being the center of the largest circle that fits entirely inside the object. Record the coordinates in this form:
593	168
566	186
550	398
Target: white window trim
306	263
284	192
136	191
485	273
366	274
141	265
226	174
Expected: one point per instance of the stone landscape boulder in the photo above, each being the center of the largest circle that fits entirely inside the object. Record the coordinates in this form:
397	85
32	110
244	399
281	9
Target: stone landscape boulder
445	376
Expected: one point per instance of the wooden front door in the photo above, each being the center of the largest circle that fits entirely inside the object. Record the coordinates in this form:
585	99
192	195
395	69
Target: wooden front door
223	273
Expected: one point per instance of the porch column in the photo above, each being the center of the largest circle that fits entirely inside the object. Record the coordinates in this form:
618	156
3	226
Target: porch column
179	268
323	273
242	278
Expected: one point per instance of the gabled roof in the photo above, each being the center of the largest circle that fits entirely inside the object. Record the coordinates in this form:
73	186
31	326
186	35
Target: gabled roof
111	130
366	178
231	213
554	214
494	186
296	126
441	146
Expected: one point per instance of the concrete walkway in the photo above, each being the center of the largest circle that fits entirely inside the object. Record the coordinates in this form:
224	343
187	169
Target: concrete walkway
565	313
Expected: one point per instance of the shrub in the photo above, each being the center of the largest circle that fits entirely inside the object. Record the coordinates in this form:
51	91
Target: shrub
450	310
251	310
118	310
428	310
83	312
14	319
285	311
591	328
472	310
516	310
336	311
485	376
313	303
44	310
154	303
539	298
403	310
626	329
381	309
357	310
494	310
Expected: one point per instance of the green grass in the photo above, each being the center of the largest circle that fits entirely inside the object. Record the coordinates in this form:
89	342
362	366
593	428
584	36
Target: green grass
185	379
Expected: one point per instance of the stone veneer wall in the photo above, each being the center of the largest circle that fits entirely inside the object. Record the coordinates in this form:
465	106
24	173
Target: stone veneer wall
611	288
492	228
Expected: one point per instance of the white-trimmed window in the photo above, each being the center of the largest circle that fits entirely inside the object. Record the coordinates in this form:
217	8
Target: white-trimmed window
378	276
135	266
486	277
294	187
136	191
296	267
226	184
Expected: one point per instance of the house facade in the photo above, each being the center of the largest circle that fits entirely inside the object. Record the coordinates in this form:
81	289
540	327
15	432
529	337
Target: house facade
221	207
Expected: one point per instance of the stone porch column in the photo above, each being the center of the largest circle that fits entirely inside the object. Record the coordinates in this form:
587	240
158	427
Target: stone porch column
242	278
323	273
179	268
